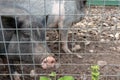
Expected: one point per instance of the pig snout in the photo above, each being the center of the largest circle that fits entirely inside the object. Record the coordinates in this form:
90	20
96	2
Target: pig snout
45	58
48	62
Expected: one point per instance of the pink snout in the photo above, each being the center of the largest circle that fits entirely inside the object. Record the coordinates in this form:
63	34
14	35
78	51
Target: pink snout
48	62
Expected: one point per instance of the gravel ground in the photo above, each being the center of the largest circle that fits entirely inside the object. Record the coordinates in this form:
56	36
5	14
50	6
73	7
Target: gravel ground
96	38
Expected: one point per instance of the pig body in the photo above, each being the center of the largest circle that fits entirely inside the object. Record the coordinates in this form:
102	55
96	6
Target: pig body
57	13
52	13
21	40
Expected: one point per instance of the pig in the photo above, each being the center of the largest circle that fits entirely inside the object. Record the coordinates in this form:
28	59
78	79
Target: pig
57	13
61	14
28	39
22	40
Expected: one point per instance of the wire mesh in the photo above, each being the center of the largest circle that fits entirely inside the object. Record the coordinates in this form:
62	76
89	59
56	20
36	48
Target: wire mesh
95	37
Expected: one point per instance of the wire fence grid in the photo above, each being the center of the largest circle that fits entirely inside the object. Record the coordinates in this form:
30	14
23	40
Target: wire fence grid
96	38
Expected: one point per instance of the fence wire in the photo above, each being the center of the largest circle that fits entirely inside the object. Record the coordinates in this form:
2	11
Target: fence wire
96	37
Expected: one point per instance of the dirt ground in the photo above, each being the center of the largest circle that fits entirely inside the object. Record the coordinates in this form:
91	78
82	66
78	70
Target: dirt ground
96	38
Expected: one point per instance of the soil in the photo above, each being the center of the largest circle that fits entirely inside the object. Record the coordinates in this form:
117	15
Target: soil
98	35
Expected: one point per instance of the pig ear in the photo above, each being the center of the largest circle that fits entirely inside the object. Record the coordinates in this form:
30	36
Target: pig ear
8	21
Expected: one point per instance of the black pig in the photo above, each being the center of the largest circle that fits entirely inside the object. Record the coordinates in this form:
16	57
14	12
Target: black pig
21	40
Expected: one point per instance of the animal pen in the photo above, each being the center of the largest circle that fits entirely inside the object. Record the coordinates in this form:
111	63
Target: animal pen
95	39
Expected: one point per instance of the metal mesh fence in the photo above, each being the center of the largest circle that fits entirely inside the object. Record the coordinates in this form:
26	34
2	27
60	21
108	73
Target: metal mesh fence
31	30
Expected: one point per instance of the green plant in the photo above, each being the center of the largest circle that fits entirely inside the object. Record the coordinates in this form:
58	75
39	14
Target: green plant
44	78
52	76
66	78
95	72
